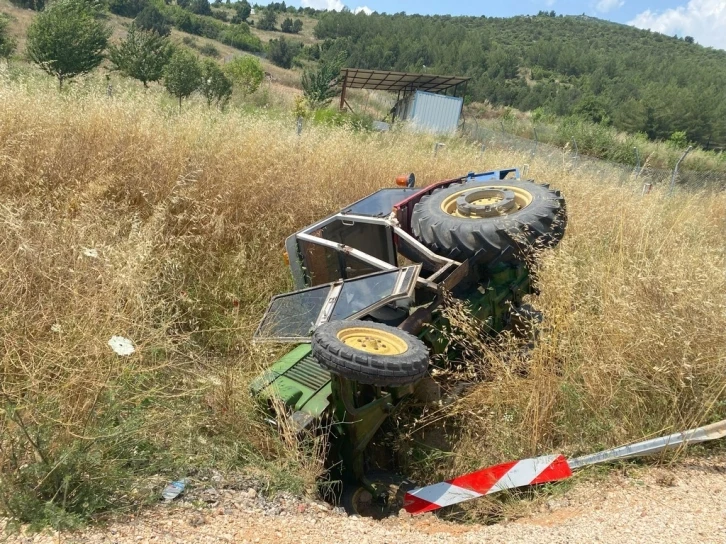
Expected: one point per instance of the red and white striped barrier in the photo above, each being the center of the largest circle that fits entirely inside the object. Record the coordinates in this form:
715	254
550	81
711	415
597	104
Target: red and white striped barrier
540	470
490	480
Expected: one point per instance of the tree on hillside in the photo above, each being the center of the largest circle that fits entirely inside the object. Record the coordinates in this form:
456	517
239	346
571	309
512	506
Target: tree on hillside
7	43
320	86
216	86
268	20
143	55
35	5
67	39
297	26
183	74
286	25
689	39
127	8
200	7
243	10
153	20
246	72
280	52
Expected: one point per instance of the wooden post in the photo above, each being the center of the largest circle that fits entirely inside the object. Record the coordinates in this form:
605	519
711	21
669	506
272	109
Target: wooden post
342	93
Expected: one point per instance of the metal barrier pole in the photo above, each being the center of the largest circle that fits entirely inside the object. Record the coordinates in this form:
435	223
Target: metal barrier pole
675	170
637	162
655	445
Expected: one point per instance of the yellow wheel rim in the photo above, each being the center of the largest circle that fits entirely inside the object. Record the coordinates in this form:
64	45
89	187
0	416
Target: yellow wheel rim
372	340
522	199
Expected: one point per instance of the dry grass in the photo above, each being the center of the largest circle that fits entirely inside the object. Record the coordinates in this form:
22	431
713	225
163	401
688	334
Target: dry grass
188	212
633	343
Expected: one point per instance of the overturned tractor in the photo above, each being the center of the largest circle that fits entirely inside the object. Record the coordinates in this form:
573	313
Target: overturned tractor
372	279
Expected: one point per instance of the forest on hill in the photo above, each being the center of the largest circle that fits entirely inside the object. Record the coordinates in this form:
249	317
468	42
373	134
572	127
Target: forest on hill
634	80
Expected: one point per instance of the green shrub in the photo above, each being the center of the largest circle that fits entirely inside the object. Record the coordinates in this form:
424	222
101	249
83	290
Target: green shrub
220	15
246	72
240	37
7	43
127	8
281	52
35	5
679	140
209	50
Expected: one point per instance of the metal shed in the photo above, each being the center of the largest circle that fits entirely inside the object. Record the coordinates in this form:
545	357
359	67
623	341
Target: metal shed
431	112
430	102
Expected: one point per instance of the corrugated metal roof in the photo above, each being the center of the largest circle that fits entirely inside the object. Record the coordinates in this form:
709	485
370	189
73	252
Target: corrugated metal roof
358	78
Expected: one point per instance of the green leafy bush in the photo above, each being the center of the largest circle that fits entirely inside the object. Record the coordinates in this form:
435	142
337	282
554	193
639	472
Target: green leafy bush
35	5
246	72
240	37
209	50
7	43
281	52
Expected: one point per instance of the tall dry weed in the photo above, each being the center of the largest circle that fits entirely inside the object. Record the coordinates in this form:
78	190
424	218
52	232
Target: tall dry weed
122	217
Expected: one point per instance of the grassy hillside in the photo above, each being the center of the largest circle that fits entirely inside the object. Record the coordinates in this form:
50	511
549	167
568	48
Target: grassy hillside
635	80
122	216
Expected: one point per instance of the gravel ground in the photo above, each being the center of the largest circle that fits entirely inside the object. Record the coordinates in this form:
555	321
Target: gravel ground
686	503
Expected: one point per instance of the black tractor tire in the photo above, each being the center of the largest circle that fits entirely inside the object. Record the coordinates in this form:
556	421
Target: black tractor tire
403	359
539	224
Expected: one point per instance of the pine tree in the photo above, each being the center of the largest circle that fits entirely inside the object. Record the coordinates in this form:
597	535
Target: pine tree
268	20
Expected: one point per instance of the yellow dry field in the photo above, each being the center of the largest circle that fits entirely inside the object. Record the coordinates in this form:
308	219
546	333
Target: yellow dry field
125	217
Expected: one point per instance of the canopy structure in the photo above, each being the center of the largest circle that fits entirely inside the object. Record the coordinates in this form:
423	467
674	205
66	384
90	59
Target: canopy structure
398	82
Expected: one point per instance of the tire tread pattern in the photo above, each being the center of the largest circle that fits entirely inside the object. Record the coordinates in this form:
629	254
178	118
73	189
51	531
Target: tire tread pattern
369	368
538	225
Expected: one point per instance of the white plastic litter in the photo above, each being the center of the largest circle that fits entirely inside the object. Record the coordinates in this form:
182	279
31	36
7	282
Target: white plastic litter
89	252
174	489
121	345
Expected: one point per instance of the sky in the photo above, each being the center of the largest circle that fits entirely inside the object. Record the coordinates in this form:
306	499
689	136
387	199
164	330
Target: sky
704	20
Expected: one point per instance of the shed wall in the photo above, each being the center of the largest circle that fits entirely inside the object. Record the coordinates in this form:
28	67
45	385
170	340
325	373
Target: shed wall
436	112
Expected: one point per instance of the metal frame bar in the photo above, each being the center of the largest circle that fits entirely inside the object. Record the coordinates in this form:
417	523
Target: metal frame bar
372	221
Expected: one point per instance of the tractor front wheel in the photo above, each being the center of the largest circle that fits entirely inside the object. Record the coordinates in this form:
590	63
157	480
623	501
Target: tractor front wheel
370	353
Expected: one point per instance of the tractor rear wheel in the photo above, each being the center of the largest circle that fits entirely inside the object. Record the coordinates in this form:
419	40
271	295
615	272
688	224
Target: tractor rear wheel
370	353
463	218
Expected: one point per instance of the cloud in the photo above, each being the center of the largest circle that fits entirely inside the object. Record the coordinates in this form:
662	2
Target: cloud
604	6
364	9
705	20
330	5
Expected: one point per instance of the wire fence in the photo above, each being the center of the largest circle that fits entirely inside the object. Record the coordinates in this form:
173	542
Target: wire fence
570	157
